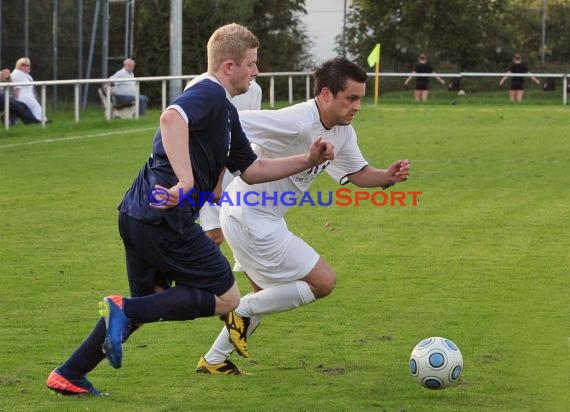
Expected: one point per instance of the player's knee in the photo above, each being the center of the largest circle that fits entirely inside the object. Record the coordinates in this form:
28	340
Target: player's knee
228	301
324	284
329	284
226	305
322	279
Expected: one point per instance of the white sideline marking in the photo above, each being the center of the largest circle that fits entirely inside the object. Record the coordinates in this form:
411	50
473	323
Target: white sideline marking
63	139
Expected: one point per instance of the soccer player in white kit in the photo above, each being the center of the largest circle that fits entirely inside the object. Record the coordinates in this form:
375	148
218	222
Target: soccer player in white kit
210	213
285	272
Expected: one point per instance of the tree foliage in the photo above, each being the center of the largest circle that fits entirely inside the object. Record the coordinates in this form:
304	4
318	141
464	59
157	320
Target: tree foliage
284	42
464	34
468	35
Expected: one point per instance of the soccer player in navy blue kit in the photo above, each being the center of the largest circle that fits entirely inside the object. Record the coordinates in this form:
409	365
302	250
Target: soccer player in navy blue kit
199	137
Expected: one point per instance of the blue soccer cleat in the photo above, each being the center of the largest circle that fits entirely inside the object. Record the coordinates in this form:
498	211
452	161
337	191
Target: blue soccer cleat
118	325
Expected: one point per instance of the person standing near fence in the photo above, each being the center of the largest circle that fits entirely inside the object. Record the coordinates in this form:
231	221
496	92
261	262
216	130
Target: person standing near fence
516	91
421	91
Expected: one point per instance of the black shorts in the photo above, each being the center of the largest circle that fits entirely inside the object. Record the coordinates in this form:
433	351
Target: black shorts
517	83
157	254
422	84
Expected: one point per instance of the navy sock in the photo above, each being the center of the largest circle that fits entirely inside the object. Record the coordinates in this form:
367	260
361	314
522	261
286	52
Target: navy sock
87	356
178	303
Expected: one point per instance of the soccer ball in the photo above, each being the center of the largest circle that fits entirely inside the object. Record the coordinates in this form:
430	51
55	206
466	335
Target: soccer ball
436	363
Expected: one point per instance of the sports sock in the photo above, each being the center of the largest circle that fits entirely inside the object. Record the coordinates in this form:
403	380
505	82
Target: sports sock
276	299
178	303
87	355
254	305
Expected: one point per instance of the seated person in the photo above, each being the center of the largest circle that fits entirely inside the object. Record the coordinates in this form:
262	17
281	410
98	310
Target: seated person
26	94
124	92
18	110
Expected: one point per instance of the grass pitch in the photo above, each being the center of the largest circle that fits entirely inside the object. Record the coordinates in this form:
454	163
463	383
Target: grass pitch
483	259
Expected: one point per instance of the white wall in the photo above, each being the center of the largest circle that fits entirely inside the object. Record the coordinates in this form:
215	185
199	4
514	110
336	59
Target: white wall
324	21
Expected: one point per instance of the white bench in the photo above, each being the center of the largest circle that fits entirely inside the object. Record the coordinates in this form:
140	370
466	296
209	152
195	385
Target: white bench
121	112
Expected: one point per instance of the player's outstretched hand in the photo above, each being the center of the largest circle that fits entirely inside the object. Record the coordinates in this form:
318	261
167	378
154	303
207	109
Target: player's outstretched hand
320	151
399	171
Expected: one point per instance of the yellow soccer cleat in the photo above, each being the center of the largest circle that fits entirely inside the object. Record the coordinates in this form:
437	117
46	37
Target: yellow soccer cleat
237	328
223	368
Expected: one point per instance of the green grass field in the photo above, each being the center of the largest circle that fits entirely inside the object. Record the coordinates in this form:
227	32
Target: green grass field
483	260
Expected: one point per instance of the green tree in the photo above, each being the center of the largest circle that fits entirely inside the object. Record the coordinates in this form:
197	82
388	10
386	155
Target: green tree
284	43
465	34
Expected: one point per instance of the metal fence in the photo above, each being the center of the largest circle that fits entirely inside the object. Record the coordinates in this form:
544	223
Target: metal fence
163	80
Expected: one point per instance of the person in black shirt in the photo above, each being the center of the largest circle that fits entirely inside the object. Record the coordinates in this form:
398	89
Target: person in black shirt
199	137
421	91
516	91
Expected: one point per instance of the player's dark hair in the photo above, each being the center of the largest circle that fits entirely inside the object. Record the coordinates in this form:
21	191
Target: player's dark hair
334	73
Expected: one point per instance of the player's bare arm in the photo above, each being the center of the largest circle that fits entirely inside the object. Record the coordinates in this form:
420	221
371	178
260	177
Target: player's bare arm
371	176
265	170
175	139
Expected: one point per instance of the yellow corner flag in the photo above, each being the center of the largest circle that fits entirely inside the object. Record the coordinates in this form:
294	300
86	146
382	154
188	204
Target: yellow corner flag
374	56
374	60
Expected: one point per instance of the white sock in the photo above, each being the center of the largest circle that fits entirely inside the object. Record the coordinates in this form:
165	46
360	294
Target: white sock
276	299
254	305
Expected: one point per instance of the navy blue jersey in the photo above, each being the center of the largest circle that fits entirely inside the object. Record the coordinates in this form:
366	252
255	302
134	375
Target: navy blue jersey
216	141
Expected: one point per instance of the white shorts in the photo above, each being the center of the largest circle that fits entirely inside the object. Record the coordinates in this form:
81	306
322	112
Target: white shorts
210	217
210	220
267	251
210	214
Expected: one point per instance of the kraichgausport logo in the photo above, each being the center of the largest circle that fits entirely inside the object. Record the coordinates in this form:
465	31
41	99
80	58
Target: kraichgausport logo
341	197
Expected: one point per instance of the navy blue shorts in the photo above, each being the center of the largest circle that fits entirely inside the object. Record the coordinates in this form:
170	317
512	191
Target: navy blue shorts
157	255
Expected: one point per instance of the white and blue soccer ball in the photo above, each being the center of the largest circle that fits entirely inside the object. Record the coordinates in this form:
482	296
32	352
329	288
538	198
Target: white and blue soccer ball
436	363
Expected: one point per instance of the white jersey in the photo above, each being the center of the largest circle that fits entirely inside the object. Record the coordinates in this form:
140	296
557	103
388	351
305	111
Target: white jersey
250	100
286	132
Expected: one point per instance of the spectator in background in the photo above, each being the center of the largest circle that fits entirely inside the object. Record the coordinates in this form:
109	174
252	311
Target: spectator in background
18	110
125	92
26	94
516	91
421	90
